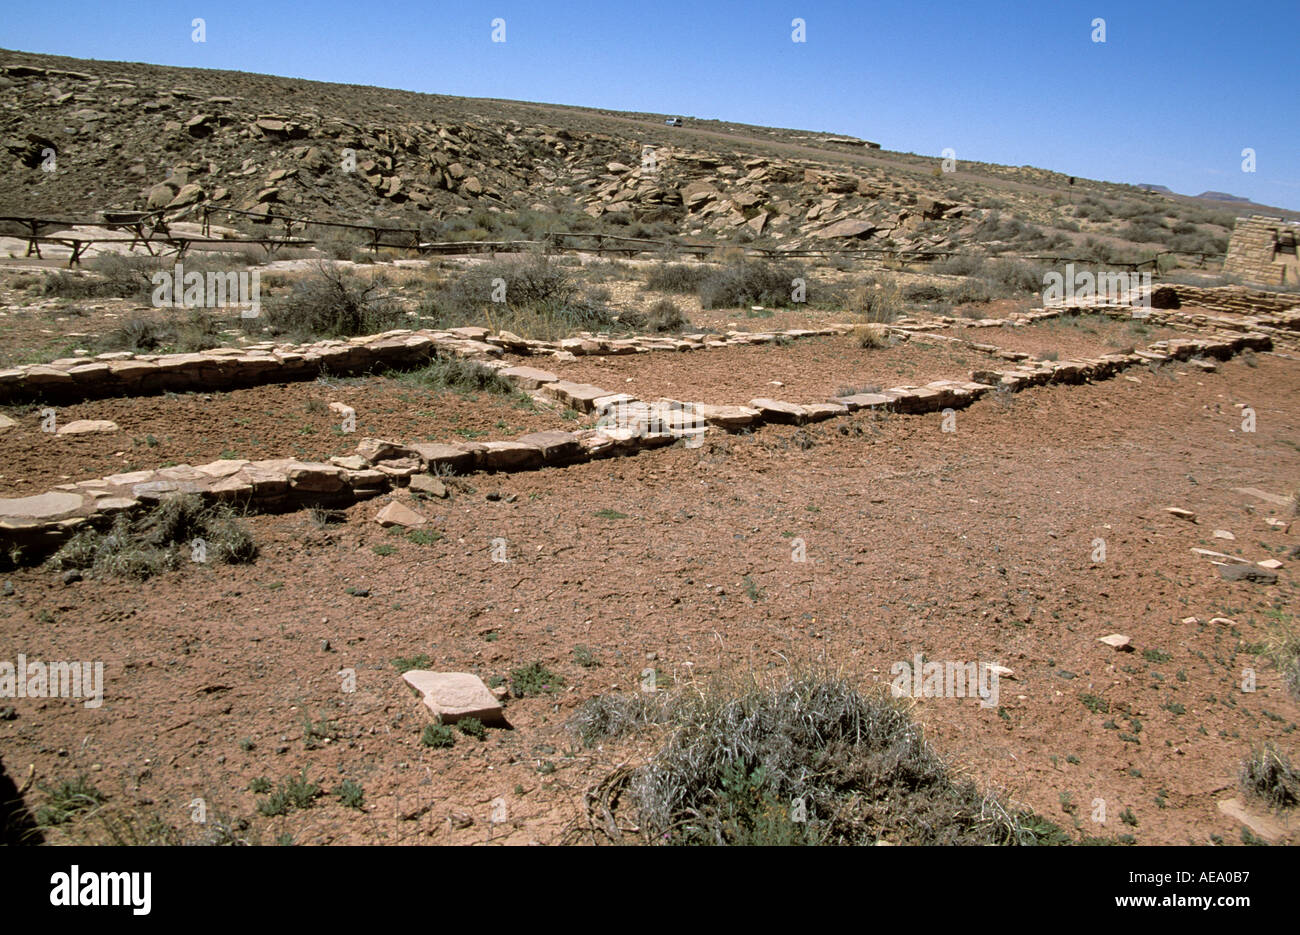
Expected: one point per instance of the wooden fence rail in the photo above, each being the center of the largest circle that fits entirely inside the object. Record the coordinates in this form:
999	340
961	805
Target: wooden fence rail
151	227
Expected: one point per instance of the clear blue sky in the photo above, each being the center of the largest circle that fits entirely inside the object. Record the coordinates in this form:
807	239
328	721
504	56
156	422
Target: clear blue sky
1173	96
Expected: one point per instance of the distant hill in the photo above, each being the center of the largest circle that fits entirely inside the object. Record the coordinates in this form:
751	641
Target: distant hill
78	136
1223	196
1149	187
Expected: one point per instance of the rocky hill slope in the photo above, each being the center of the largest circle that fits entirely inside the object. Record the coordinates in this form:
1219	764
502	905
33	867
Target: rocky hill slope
81	136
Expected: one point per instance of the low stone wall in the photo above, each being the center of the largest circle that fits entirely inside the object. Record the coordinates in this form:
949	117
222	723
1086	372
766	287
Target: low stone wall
37	525
1238	299
126	374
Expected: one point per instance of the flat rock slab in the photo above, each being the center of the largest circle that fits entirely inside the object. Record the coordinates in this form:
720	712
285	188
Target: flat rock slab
1237	572
455	695
427	483
1117	641
87	427
581	396
774	410
1271	828
1258	494
528	378
818	411
399	514
863	401
6	423
727	417
507	456
433	455
554	445
378	449
1220	556
350	462
40	508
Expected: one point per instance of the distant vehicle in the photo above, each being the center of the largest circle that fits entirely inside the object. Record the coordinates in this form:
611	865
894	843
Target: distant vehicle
674	121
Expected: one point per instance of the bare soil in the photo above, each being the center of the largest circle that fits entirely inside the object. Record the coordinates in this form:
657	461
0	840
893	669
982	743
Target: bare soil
973	545
1074	337
809	370
273	421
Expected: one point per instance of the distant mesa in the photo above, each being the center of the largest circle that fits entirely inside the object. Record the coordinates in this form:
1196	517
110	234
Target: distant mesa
1223	196
1148	186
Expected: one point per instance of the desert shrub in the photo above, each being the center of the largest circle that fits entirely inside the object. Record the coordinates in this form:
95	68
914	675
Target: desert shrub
609	717
1196	241
68	800
136	334
332	303
472	727
870	337
438	736
456	374
1284	643
677	277
970	292
337	249
748	282
876	300
1144	231
1267	774
742	757
541	299
197	332
533	679
161	539
295	792
1014	277
110	275
352	794
995	228
664	316
962	264
923	292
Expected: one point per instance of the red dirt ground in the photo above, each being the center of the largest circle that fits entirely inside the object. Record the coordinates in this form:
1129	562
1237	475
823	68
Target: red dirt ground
973	545
270	421
1072	337
810	369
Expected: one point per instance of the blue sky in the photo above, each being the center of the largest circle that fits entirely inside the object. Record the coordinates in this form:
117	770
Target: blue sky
1173	95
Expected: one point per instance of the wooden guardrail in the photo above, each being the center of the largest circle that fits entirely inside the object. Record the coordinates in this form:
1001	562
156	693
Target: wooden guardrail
150	227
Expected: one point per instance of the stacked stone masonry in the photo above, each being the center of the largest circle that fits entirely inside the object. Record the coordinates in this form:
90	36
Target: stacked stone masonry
1263	250
38	524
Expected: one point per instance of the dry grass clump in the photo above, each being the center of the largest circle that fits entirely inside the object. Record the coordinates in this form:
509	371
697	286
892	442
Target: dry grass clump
333	303
163	539
748	282
871	337
678	278
807	759
878	301
1267	774
197	332
1283	648
457	375
662	317
532	296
